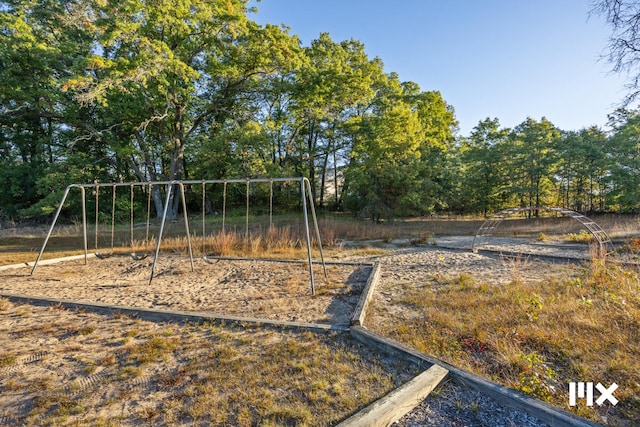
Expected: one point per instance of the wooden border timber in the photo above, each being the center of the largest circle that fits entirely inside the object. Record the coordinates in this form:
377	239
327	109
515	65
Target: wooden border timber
170	315
45	262
510	398
367	294
399	402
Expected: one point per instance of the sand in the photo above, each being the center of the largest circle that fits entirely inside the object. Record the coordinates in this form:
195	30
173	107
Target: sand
241	288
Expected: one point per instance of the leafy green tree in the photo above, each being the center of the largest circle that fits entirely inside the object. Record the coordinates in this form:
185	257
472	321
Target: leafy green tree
335	79
582	169
533	158
399	154
624	152
39	42
383	177
437	120
134	83
174	71
484	161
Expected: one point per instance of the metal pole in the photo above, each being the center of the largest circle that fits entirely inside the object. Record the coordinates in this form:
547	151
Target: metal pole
224	204
186	223
270	203
204	226
315	224
131	219
306	229
95	245
164	219
113	215
55	219
146	235
246	217
84	223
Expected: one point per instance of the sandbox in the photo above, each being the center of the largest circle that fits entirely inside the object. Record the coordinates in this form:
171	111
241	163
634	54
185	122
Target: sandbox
264	289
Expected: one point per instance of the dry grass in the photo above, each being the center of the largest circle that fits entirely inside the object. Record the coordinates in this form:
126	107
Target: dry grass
582	237
553	226
285	236
275	241
532	336
535	336
134	372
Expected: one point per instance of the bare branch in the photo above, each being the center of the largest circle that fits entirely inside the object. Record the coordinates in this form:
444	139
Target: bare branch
624	43
143	126
5	111
92	133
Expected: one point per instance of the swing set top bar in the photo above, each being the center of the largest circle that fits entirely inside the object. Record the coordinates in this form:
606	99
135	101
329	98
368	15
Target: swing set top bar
188	182
304	182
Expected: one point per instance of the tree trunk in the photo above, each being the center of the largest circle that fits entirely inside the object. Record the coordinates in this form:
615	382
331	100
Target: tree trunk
323	179
177	163
312	170
156	195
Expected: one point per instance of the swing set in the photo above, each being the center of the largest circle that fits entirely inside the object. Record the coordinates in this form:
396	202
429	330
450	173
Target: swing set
134	255
170	188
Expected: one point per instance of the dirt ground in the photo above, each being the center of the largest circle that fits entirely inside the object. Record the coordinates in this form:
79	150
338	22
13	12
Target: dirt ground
262	289
271	290
62	354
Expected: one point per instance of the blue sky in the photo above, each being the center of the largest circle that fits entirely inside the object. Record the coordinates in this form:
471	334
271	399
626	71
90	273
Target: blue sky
509	59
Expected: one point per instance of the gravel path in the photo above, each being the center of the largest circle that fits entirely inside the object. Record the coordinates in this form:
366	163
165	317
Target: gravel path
456	406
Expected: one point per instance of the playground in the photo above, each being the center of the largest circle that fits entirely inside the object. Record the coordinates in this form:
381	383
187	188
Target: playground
500	310
68	341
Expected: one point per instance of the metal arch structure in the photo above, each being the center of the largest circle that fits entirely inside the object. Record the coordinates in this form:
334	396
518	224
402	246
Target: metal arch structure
601	236
306	196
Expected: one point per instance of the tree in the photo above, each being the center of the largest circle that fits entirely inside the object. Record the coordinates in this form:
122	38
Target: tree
137	82
624	152
39	42
335	79
624	43
437	120
383	176
485	166
398	162
582	169
533	158
175	71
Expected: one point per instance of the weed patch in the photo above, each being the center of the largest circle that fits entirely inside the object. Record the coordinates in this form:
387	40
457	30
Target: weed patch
533	336
195	373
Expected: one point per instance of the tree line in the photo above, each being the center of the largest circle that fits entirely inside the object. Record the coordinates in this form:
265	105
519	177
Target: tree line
115	91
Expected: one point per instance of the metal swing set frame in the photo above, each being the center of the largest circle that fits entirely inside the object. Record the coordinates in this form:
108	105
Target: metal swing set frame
306	196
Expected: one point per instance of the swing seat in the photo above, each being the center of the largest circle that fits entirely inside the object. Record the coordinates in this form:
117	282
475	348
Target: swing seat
206	259
101	255
138	257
